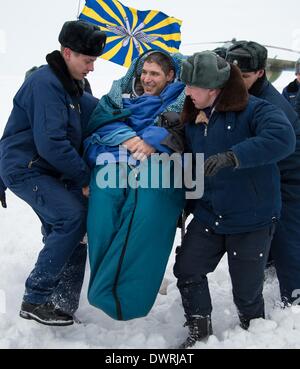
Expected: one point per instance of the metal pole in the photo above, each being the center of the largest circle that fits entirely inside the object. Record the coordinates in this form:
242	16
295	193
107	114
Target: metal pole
78	10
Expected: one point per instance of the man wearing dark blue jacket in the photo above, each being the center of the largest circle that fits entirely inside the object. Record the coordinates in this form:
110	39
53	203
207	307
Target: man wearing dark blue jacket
242	137
40	161
251	58
291	91
297	104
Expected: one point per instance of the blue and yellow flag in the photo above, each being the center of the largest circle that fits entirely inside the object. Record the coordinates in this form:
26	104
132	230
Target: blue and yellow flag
131	32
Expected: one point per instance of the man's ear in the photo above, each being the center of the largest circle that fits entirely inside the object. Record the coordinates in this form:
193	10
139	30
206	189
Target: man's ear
170	76
261	73
67	53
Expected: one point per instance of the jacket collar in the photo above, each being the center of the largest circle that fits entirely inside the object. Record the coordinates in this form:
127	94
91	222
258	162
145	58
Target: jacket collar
234	96
60	69
293	87
257	87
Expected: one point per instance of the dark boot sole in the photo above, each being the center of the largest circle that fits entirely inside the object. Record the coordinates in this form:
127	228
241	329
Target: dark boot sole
31	316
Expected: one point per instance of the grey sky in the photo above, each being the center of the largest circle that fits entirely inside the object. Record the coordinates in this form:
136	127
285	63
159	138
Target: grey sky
29	29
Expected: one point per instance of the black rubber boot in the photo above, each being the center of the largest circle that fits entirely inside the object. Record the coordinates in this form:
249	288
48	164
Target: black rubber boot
45	314
200	329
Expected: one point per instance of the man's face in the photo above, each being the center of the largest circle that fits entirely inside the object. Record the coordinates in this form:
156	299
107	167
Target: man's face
153	78
201	97
298	77
251	77
79	65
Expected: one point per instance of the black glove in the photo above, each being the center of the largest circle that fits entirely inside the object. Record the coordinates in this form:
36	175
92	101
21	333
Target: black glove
216	162
3	200
171	122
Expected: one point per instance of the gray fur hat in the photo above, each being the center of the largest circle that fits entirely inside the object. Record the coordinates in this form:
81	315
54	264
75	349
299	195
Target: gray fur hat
82	37
205	69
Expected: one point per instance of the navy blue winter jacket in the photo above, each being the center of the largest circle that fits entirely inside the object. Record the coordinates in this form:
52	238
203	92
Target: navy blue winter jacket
248	197
290	166
44	130
297	104
290	92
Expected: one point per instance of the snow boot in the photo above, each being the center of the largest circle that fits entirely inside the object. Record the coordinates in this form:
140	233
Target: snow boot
200	329
45	314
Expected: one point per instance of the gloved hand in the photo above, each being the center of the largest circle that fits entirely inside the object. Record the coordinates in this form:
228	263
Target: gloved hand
3	199
216	162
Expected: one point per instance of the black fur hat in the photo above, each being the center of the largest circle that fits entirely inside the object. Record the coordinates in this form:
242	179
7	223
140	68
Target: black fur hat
249	56
82	37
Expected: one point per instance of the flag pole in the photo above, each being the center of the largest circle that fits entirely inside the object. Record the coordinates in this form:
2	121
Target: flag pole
78	10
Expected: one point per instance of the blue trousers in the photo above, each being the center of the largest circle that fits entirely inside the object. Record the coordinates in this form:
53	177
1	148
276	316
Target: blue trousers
62	209
285	250
200	254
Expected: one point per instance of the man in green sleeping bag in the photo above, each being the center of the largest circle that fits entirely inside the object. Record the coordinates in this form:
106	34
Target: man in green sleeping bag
134	201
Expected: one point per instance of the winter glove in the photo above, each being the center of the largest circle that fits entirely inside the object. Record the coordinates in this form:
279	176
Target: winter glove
3	199
216	162
175	140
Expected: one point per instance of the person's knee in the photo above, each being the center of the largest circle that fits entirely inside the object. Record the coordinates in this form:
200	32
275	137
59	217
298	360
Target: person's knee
181	265
189	267
74	218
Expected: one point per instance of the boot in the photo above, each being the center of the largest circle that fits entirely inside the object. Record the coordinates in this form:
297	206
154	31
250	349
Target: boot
45	314
245	322
200	329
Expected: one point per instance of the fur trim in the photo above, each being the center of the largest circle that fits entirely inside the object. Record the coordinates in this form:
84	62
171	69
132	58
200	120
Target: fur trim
293	87
60	69
258	86
234	95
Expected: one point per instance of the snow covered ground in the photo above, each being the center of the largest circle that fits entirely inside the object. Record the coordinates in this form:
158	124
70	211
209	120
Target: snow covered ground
26	35
20	242
162	328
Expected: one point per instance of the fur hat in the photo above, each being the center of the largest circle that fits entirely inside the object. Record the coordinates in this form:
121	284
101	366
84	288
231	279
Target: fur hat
249	56
206	70
297	67
82	37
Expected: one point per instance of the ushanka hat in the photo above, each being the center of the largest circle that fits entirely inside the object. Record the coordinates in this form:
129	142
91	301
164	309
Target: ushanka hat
248	56
205	69
82	37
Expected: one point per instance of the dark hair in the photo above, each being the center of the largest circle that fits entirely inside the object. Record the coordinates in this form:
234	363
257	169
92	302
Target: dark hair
163	60
189	111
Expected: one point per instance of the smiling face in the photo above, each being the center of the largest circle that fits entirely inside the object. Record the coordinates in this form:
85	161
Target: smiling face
154	79
79	65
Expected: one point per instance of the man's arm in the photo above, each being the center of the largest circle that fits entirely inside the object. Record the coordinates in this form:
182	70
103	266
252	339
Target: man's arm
274	138
155	136
50	125
285	94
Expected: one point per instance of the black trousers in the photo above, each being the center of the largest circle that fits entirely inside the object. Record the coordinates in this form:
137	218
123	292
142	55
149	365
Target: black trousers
200	254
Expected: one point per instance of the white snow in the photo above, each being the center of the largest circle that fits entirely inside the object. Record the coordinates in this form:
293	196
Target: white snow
162	328
20	239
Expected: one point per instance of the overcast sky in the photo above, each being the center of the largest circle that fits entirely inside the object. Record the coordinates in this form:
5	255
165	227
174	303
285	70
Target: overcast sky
29	29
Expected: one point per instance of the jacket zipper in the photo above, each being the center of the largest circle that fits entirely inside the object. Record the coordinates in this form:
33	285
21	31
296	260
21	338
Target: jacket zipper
30	164
206	124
